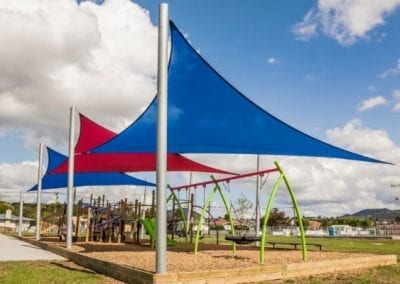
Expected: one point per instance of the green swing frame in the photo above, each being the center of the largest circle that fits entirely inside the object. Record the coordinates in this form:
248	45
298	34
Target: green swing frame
282	177
173	196
217	190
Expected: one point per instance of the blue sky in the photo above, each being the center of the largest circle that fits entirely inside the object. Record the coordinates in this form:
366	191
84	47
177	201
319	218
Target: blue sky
329	68
314	79
304	81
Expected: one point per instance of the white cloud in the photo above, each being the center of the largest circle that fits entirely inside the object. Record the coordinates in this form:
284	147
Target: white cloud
344	20
272	60
396	93
392	72
101	59
396	96
371	88
327	187
56	54
371	103
307	29
396	107
355	137
15	178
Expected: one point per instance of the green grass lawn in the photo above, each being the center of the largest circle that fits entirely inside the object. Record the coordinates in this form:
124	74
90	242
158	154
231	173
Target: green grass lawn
47	272
375	246
381	274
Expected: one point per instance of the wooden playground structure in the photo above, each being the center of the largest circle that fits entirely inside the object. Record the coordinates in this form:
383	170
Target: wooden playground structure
125	222
99	220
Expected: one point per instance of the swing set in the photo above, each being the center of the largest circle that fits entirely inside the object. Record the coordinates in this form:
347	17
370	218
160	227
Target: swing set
243	239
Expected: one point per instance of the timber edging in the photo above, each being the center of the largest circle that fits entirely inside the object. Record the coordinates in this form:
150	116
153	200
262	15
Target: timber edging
121	272
245	275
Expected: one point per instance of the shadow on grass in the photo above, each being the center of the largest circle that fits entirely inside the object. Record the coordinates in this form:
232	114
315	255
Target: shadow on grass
69	265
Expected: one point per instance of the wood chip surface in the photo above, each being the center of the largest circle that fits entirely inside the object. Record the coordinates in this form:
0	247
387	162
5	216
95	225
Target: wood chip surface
210	257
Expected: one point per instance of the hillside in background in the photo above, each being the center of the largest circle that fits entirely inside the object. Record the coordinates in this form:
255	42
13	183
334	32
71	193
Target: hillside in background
382	213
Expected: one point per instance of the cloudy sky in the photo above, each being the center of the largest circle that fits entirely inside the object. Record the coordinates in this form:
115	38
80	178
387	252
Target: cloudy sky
330	68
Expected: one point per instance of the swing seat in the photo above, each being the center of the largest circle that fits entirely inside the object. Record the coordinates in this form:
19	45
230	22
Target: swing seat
242	240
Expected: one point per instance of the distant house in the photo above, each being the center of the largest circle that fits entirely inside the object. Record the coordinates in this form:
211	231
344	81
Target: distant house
220	222
388	229
314	225
343	229
184	210
10	223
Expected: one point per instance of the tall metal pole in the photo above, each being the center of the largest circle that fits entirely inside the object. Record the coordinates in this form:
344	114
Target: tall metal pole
162	94
39	192
258	189
188	211
70	191
143	213
21	209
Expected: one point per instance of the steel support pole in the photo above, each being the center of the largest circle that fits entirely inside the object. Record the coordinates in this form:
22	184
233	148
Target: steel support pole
143	214
188	195
258	189
70	191
39	193
162	90
21	210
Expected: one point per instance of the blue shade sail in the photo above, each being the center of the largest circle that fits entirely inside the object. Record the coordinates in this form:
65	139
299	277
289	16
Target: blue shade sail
54	159
50	181
90	179
206	114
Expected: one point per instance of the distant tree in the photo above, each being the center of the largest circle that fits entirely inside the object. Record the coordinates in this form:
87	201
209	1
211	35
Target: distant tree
243	208
4	206
29	210
51	208
366	223
323	220
352	221
276	218
306	223
226	217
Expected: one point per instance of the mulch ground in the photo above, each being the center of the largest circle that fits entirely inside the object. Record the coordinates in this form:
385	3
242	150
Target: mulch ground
181	258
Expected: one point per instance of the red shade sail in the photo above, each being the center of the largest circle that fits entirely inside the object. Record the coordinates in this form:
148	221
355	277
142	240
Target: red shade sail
92	135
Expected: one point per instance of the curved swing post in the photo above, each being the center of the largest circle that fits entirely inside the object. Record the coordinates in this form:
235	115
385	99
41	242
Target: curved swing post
180	210
266	217
228	211
216	189
203	212
297	210
282	177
